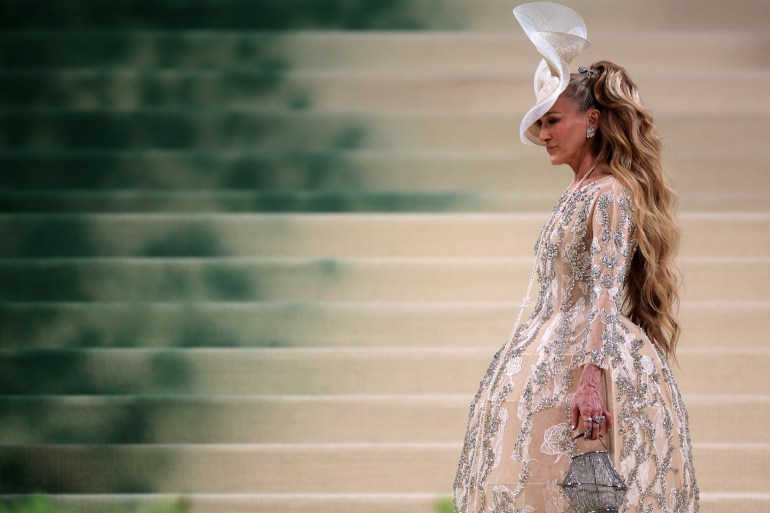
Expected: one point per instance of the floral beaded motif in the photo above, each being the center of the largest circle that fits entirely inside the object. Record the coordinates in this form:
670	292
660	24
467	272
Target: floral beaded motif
517	445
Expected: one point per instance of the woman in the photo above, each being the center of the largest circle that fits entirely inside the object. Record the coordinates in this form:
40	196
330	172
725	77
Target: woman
589	367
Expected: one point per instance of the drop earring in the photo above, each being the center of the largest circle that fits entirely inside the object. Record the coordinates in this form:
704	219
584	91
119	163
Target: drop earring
590	132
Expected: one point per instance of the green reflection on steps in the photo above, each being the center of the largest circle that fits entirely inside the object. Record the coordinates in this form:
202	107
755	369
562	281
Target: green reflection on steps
44	372
27	50
91	148
45	236
86	469
41	504
32	468
77	372
39	282
196	170
229	284
170	372
140	325
223	14
193	240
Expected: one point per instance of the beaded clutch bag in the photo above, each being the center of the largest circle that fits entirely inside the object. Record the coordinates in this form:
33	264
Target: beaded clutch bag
592	485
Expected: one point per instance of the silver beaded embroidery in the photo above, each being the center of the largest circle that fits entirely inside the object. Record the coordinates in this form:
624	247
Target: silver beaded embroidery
576	320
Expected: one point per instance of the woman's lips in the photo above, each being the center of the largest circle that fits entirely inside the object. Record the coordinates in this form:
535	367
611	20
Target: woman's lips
550	149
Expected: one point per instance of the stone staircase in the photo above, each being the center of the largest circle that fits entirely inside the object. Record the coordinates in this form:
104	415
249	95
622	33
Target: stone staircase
259	254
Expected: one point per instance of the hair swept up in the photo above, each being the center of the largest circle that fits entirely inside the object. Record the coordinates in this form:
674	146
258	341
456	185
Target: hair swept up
628	145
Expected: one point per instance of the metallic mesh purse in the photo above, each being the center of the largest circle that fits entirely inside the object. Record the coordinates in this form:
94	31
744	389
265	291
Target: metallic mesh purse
592	484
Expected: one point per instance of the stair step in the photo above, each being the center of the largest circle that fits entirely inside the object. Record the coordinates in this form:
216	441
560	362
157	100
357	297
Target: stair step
345	371
302	419
335	280
294	201
166	129
304	15
128	15
639	51
345	503
306	371
516	170
211	325
261	503
315	113
334	201
468	235
320	468
479	91
267	170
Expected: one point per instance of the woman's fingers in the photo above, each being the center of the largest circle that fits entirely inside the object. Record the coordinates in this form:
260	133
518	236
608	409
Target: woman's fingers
599	425
596	425
608	419
574	417
588	406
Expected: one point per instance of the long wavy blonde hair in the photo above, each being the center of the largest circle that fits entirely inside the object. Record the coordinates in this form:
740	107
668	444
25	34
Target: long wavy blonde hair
626	142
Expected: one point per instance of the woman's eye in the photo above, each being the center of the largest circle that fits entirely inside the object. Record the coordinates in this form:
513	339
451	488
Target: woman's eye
553	121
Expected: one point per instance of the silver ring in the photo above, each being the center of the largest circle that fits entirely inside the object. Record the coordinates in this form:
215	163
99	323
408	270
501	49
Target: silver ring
588	433
590	420
599	419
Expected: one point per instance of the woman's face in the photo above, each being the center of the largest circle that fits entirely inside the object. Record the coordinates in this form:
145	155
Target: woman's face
563	130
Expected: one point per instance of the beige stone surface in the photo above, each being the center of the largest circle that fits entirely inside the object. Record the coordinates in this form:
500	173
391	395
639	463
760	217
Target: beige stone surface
341	383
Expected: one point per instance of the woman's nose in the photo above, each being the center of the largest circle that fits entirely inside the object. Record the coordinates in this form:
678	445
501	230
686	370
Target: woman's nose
544	135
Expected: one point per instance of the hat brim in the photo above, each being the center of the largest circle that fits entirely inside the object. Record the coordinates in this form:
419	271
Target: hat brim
559	35
547	88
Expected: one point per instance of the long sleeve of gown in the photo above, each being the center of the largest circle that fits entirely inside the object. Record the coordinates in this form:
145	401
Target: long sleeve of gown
612	245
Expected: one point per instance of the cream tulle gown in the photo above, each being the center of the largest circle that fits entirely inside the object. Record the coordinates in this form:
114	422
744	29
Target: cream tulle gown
518	443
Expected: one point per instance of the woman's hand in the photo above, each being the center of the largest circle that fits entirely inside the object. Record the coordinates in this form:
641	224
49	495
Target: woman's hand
587	403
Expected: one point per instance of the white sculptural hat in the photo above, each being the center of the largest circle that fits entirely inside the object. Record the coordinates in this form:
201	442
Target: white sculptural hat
559	34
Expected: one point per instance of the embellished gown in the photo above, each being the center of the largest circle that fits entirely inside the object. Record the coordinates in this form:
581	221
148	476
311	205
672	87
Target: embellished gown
518	444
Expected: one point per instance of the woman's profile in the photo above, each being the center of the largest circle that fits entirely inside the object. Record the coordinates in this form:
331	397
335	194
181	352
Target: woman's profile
593	357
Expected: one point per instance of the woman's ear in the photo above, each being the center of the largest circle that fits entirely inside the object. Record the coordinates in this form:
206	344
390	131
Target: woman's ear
594	117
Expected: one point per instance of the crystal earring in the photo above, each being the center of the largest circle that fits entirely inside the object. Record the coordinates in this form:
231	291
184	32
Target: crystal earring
590	132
